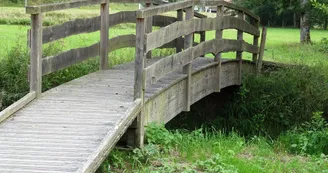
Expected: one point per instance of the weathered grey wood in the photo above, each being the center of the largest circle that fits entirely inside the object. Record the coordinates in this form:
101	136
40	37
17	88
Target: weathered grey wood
149	28
224	45
167	65
218	56
147	12
187	69
262	48
100	154
17	106
255	39
178	29
162	21
66	59
38	8
36	55
104	34
71	57
179	43
88	25
229	5
239	54
139	77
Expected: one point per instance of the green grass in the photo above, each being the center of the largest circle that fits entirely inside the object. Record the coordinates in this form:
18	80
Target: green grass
206	151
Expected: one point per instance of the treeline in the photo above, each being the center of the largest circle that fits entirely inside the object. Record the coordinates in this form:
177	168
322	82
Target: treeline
284	13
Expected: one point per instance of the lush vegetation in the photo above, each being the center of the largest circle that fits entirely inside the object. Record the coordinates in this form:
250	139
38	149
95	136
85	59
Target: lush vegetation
273	123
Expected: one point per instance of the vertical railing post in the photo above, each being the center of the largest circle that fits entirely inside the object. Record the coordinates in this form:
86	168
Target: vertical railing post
219	35
256	24
179	41
36	54
262	46
139	76
149	28
104	33
239	54
187	69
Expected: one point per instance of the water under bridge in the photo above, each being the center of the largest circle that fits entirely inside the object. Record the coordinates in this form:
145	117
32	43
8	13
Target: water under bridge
73	127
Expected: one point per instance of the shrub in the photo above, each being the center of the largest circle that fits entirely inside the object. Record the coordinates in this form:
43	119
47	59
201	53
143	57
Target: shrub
276	101
309	138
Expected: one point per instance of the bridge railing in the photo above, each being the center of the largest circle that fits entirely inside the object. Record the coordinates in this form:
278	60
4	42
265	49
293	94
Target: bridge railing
245	22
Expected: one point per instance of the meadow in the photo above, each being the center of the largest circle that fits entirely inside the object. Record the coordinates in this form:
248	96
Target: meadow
287	99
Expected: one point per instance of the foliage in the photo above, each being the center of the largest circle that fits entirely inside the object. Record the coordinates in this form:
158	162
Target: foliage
309	138
210	151
276	101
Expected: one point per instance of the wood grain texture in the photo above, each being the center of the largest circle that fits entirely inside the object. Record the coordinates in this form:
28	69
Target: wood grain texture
88	25
178	29
262	47
16	106
147	12
104	34
36	55
229	5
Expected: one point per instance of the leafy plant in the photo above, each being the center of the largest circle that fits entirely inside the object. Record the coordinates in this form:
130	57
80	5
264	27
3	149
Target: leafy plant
309	138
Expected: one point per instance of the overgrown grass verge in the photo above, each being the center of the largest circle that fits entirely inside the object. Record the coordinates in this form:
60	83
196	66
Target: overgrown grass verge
209	151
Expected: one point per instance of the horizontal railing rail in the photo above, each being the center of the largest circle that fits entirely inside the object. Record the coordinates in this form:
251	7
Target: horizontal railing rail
178	29
36	7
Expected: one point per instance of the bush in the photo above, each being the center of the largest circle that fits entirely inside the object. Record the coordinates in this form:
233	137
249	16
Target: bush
309	138
276	101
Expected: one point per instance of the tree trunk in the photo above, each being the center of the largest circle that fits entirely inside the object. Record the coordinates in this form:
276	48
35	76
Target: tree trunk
305	22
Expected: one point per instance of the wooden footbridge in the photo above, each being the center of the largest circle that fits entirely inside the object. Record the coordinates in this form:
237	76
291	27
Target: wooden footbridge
73	127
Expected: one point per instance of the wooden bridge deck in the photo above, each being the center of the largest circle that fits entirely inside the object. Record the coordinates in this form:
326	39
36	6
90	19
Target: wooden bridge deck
64	129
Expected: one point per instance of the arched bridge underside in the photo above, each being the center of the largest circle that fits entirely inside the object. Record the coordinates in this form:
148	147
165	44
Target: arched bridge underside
73	127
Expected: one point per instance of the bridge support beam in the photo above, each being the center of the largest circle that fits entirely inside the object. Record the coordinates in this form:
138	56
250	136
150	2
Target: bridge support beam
36	54
187	69
179	41
149	28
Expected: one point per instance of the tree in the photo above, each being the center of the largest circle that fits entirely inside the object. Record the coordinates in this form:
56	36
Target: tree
305	21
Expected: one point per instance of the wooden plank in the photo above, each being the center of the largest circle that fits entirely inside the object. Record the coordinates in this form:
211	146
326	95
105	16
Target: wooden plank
187	69
162	21
69	58
262	48
167	65
101	153
147	12
36	54
104	34
88	25
178	29
73	56
17	106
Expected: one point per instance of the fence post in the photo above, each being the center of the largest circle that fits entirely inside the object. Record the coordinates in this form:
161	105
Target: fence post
36	54
139	77
149	28
262	46
187	69
256	24
104	33
239	54
179	41
219	35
